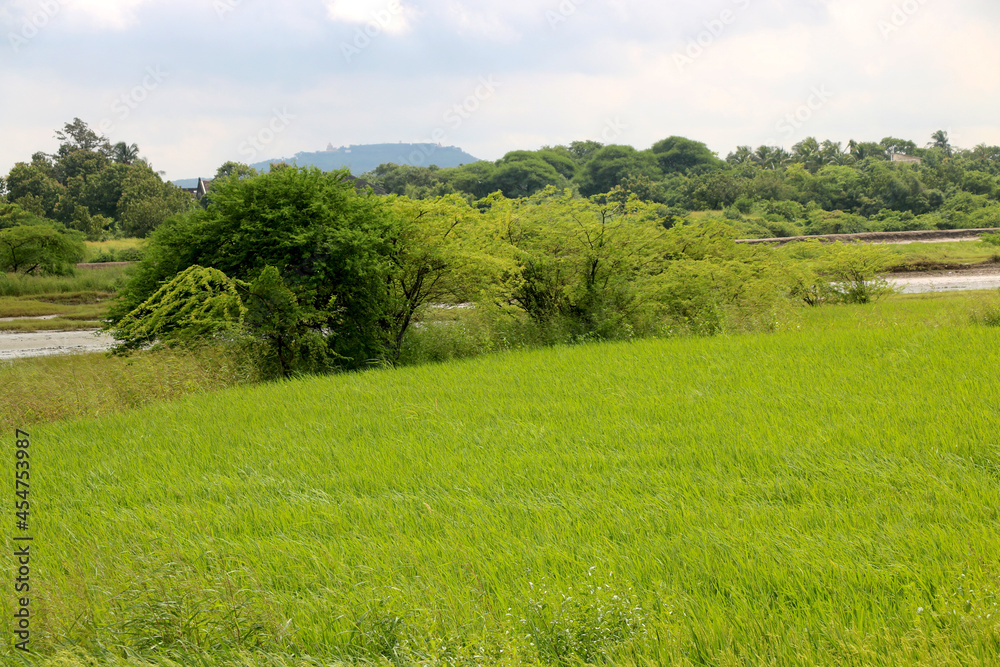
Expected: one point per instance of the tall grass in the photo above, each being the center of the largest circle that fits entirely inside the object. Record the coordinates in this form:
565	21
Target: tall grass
790	499
45	389
110	250
83	280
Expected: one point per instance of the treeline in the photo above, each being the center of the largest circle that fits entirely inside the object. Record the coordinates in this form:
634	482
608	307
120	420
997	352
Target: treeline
90	186
816	188
302	273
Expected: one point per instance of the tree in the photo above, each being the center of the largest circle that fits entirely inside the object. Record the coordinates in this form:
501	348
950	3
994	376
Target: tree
583	151
475	178
124	153
895	145
39	249
195	305
742	155
523	173
771	157
77	136
441	254
855	271
940	141
329	244
611	165
678	154
12	215
237	169
807	152
146	201
579	260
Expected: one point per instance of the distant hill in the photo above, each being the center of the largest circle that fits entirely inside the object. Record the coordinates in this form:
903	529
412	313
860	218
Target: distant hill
365	157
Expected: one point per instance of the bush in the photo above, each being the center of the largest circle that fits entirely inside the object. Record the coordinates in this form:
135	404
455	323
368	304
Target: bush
39	250
988	314
991	239
855	271
195	306
330	246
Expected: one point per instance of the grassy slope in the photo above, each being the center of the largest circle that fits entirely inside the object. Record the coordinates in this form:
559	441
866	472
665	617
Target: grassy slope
798	498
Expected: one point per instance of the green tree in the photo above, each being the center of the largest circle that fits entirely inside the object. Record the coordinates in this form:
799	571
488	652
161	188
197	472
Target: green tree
34	187
678	154
39	249
523	173
329	244
611	165
230	169
856	271
77	136
147	201
580	260
940	141
124	153
192	307
441	255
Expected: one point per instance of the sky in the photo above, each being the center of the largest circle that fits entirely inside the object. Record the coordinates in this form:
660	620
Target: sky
198	82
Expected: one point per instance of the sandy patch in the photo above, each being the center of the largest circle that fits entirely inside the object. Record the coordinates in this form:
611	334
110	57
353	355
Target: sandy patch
980	277
40	343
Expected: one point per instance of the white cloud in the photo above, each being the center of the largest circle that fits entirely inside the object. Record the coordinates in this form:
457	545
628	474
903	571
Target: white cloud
114	14
392	16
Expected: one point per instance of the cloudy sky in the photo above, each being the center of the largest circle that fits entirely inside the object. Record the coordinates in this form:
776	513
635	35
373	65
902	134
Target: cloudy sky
197	82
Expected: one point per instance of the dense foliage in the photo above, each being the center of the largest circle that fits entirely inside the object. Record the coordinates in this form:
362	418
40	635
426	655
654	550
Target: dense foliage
817	188
94	187
32	245
326	277
328	244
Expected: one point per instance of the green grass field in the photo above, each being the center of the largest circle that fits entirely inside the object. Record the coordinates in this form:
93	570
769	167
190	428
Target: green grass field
824	495
95	249
79	301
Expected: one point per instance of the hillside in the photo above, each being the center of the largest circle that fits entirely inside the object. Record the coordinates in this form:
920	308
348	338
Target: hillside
362	158
799	498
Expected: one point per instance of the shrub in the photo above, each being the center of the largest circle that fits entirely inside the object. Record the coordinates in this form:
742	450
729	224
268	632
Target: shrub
991	239
855	271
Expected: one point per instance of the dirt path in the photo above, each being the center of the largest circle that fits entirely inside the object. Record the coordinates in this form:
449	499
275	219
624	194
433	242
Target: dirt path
40	343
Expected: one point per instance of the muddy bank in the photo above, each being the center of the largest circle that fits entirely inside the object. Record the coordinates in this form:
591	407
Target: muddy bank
41	343
982	276
101	265
919	236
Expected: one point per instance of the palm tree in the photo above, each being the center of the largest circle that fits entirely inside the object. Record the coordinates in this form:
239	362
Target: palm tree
743	155
771	157
940	140
833	154
808	153
124	153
